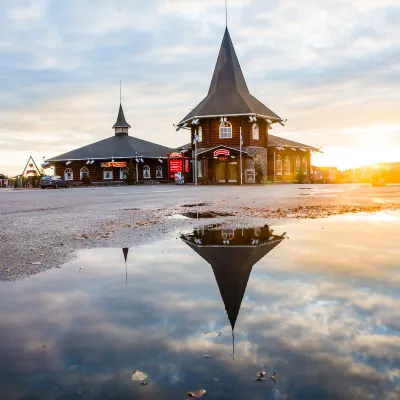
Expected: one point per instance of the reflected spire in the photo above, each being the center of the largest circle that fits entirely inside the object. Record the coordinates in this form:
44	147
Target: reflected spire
125	250
232	253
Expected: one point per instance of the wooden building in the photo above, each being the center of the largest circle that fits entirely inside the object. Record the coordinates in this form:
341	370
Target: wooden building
106	160
230	131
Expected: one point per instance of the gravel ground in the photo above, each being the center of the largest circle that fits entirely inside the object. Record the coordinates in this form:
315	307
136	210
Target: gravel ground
42	229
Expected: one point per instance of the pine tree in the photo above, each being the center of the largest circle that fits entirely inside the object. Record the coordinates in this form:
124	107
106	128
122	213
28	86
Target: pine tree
130	174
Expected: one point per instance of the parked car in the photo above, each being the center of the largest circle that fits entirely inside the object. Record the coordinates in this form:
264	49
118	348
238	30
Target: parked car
53	181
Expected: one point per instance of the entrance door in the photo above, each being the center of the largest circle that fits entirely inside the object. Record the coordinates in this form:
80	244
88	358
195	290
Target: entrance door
232	172
220	172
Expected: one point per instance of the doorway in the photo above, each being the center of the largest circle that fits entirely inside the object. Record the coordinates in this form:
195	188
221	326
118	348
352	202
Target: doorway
220	172
232	172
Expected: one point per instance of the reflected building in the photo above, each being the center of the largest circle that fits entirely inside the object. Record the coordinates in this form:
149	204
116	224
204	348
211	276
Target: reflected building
232	253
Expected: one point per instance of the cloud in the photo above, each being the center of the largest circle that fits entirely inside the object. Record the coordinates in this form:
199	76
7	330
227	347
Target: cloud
333	67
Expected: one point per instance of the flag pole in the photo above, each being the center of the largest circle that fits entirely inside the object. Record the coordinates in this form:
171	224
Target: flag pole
195	157
241	167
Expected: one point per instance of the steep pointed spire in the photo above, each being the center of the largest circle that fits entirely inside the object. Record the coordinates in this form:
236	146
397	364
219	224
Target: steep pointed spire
121	126
228	93
232	264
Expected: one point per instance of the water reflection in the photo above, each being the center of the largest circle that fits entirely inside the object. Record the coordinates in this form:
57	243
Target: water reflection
322	309
232	254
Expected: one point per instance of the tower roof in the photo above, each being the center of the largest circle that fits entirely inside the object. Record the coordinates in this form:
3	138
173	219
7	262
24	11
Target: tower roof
228	93
121	121
232	264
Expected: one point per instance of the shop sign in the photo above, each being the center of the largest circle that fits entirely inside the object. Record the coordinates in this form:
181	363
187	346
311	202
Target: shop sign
113	164
175	165
221	152
175	155
250	175
222	158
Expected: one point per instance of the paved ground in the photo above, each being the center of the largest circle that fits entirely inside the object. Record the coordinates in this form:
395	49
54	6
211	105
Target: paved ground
41	229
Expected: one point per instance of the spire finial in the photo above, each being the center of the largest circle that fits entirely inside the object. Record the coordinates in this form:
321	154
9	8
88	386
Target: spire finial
226	13
120	92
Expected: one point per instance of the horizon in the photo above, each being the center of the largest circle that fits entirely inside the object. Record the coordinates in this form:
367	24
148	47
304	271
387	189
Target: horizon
331	73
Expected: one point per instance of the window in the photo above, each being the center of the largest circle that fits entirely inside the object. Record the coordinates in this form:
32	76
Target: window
159	172
278	165
287	165
225	130
200	134
146	172
68	174
304	165
297	164
256	132
83	171
107	174
122	173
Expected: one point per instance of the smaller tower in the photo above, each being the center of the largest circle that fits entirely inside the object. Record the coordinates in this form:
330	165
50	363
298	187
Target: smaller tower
121	126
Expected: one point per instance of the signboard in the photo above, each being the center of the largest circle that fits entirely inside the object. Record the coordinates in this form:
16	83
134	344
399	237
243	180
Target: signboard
221	152
175	155
175	166
250	176
186	165
222	158
113	164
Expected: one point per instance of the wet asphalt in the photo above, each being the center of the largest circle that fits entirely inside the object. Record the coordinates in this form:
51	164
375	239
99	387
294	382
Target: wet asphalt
42	229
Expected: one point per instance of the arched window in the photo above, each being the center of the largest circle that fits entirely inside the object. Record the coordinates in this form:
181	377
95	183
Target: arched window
200	134
278	165
225	130
256	132
83	171
68	174
107	174
287	165
159	172
297	164
122	173
304	165
146	172
227	235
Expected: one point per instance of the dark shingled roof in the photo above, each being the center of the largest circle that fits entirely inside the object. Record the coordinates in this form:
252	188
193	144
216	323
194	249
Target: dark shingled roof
124	146
121	121
228	93
232	266
276	141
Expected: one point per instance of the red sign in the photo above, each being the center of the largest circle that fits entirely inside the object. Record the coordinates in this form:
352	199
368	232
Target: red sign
221	152
175	155
222	158
186	165
175	165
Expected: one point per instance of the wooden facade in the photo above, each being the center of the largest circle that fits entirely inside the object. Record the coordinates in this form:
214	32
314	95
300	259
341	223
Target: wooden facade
293	162
96	172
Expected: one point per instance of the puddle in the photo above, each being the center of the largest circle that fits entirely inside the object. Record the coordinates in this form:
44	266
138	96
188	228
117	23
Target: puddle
210	309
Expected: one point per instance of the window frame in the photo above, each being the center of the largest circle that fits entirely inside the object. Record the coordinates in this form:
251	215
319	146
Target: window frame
81	172
122	172
69	171
287	165
105	170
304	163
255	128
298	164
200	134
146	168
278	162
159	169
225	125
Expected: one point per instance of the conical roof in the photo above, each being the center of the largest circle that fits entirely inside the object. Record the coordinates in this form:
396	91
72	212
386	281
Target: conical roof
125	250
232	265
121	121
228	93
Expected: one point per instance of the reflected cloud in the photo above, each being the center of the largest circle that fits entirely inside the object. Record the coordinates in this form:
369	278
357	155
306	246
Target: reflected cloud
331	334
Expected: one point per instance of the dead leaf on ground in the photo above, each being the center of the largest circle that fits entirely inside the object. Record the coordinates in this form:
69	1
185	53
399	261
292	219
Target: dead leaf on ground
197	394
139	376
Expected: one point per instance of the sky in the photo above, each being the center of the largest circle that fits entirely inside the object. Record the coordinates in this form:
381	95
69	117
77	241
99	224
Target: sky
331	67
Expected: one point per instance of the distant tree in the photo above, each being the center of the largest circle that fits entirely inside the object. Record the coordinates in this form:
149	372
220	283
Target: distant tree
130	174
86	179
301	176
259	169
